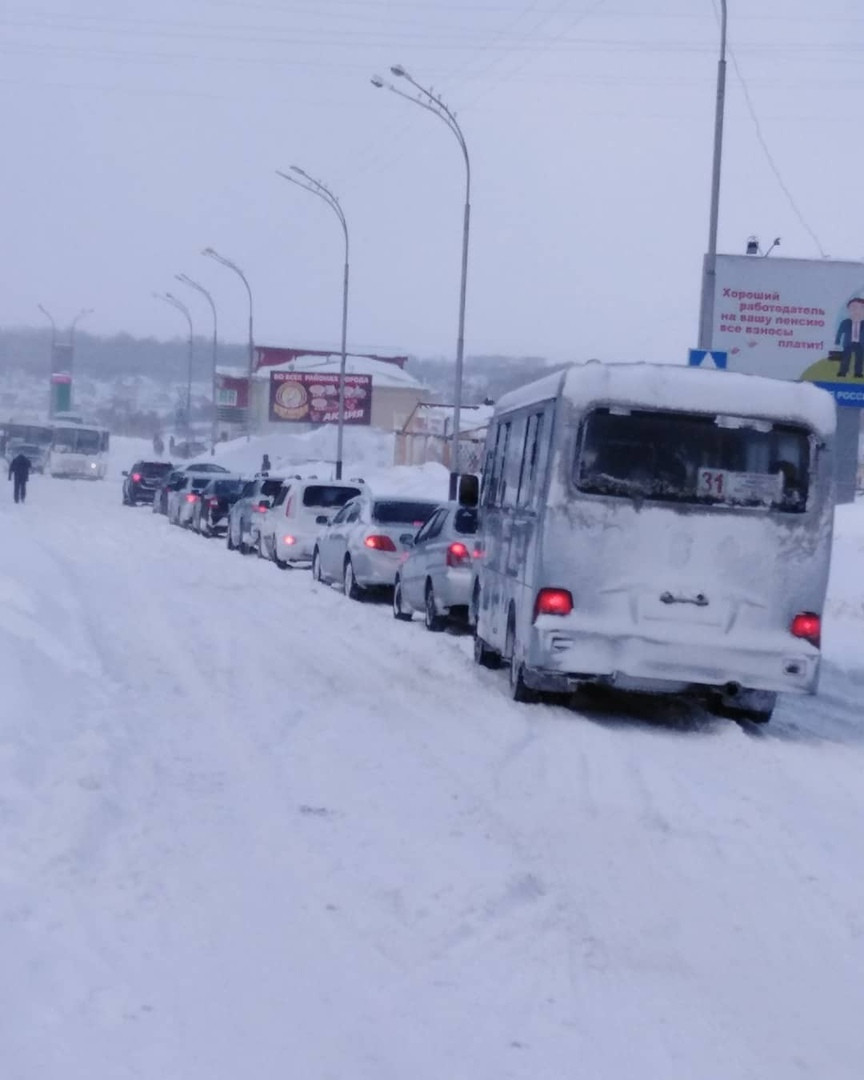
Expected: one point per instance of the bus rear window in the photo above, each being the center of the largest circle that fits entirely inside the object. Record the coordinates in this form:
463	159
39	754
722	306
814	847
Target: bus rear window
700	460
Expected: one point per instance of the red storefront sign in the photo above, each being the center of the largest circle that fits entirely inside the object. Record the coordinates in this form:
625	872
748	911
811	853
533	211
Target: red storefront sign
309	397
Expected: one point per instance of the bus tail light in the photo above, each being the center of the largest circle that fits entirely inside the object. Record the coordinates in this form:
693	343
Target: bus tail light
808	626
553	602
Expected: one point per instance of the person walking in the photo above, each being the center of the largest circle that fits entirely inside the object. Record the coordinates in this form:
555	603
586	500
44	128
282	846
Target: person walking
19	470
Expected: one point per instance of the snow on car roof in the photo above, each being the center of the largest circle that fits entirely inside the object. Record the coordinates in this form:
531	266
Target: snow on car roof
674	386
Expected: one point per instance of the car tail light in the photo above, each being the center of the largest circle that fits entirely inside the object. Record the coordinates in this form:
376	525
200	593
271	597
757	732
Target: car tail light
260	509
457	554
289	540
379	543
136	476
553	602
190	498
808	626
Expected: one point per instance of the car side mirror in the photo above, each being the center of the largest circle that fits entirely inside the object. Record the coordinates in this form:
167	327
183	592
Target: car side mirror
322	519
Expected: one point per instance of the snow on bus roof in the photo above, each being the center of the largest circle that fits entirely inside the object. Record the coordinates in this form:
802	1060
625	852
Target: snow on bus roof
674	386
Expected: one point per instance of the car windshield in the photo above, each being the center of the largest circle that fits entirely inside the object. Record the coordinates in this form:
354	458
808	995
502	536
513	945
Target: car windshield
465	521
328	496
153	468
702	460
402	512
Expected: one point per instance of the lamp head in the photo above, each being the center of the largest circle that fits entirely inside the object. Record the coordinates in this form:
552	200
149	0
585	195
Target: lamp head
377	81
398	71
208	251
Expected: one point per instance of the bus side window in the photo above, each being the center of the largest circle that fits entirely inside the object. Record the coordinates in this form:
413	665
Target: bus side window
541	461
529	461
513	454
495	489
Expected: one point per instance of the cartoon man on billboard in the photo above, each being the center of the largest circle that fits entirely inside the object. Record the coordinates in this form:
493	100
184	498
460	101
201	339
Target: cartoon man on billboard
850	339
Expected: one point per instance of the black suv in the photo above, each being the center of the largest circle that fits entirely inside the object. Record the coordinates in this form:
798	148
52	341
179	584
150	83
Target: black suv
142	480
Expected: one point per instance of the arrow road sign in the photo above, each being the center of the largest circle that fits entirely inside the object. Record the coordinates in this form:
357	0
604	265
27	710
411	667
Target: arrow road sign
708	357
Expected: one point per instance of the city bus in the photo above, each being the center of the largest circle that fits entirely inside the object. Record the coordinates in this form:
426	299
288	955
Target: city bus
78	450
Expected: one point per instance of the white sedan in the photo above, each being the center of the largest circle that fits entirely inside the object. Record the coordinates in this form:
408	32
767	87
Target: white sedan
366	542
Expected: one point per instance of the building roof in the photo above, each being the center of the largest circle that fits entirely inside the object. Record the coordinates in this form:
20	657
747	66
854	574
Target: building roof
383	373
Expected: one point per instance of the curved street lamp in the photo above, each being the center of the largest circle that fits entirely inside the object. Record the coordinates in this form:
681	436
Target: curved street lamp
315	187
169	298
435	105
186	280
211	254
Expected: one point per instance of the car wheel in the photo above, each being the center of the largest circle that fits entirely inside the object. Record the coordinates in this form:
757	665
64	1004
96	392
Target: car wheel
243	547
398	611
349	582
484	656
518	690
432	620
316	567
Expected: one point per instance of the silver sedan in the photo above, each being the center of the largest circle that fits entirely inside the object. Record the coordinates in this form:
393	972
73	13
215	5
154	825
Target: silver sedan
437	575
364	545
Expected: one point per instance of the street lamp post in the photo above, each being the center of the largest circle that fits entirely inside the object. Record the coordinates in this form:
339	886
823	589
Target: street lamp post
186	280
211	254
83	313
709	269
436	106
52	357
169	298
315	187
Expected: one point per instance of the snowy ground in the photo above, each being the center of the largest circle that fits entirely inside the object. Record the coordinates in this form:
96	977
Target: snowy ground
253	830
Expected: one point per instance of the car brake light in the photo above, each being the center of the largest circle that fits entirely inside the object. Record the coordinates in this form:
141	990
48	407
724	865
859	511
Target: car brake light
553	602
260	509
289	540
808	626
190	498
136	476
379	543
457	554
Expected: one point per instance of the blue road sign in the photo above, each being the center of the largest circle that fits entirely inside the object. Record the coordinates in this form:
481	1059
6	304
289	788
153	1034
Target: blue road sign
698	357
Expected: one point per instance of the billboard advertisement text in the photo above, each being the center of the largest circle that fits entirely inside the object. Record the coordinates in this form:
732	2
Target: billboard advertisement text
795	319
307	397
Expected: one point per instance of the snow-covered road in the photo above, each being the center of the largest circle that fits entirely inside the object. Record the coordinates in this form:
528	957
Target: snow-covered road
253	830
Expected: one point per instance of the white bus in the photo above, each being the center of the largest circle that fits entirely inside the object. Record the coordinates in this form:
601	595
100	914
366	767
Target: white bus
78	450
657	528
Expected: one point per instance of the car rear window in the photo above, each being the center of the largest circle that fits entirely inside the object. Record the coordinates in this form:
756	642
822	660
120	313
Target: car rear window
199	483
402	512
270	487
227	487
153	468
328	496
465	521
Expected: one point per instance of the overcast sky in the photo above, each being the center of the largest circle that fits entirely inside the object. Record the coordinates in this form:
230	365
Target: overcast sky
136	134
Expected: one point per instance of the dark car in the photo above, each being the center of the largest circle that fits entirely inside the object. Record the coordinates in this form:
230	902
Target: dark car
210	513
143	480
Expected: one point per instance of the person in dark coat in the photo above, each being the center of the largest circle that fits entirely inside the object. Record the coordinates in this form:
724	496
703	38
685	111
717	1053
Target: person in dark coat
265	464
19	469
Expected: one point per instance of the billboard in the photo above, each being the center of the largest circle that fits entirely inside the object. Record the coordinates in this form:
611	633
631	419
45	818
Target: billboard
797	319
310	397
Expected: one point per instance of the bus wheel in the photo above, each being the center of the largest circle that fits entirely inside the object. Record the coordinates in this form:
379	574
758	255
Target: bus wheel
483	655
518	690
